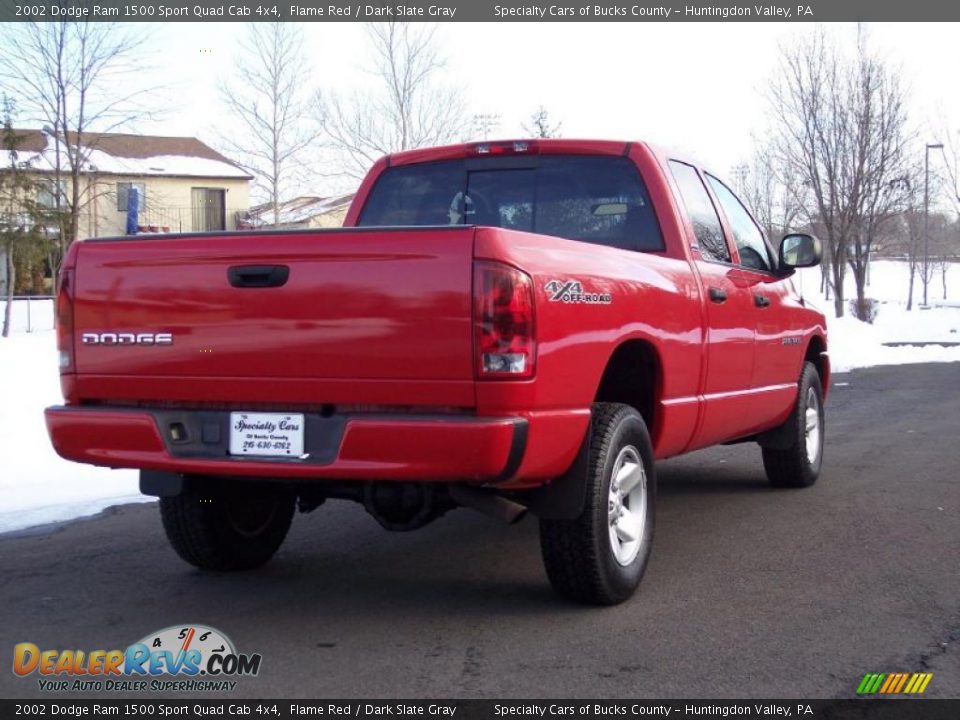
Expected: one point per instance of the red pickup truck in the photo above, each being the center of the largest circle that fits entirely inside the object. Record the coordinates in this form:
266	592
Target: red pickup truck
508	326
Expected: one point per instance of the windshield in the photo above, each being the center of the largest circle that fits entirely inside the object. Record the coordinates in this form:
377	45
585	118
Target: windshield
596	199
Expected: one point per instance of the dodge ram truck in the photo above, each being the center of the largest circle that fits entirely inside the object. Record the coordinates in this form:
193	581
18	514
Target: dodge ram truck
507	326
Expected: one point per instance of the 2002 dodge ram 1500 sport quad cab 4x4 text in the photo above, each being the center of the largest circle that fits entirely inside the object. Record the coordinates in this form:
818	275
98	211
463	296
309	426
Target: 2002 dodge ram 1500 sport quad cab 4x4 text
508	326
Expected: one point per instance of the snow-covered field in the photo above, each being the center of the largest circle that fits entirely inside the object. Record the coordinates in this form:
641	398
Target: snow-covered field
854	344
38	487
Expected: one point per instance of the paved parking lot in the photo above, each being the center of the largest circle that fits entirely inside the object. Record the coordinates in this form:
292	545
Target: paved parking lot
750	592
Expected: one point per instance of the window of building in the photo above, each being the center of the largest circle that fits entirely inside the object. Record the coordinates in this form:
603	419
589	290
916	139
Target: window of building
47	193
123	195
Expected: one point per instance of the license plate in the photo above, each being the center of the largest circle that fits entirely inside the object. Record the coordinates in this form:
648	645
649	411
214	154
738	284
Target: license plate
266	434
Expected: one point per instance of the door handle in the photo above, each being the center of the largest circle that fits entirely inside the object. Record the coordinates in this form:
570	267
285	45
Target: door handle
761	301
258	276
717	295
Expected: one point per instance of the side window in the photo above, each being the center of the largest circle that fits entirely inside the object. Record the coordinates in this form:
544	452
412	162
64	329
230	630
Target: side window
702	213
753	250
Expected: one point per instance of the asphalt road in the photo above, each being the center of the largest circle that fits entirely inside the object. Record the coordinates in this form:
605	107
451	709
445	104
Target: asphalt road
751	592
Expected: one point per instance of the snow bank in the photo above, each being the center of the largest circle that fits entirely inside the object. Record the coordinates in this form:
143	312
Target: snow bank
36	485
855	344
29	315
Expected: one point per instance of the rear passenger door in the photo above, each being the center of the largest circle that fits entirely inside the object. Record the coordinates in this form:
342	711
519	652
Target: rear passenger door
776	352
730	321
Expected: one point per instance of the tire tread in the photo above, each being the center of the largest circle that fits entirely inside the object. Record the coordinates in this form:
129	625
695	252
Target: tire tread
573	549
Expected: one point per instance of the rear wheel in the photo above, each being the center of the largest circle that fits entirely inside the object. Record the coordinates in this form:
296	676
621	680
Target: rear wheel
227	526
599	557
798	465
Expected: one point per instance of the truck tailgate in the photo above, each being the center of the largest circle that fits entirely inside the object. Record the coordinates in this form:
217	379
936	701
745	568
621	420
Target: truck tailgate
375	304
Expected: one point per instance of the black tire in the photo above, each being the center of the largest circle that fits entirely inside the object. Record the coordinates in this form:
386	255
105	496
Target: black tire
579	554
794	466
216	525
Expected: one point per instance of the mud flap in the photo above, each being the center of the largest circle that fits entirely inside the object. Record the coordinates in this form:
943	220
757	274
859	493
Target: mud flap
563	498
161	484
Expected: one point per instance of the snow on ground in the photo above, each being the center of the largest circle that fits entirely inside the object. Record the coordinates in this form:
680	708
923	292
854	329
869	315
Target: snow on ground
855	344
38	487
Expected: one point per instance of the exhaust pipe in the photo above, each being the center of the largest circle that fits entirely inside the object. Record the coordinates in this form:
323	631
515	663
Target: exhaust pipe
483	501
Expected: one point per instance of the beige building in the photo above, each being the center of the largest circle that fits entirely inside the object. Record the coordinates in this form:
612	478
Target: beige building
182	185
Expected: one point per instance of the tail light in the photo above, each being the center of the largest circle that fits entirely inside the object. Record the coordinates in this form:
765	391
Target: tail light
508	147
504	323
64	319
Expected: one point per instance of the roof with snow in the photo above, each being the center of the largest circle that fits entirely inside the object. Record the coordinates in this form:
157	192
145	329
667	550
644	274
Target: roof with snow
296	211
125	154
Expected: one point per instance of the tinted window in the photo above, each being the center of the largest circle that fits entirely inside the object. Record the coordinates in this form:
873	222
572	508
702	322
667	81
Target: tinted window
501	198
703	216
414	195
746	234
601	200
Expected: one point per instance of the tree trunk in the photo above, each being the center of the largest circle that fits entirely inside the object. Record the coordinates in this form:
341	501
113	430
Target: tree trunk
11	279
860	280
838	289
913	271
943	277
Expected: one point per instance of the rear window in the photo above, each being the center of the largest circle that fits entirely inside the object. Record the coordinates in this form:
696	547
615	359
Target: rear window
596	199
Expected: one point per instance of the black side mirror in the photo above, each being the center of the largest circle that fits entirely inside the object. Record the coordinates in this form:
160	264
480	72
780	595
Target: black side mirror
798	250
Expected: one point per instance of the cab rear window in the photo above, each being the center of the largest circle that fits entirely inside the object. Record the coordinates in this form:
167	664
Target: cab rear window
595	199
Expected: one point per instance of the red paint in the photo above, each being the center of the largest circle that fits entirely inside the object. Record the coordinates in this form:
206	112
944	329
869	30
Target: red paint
387	318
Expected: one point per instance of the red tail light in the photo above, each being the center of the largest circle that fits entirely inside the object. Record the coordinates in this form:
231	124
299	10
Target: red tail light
507	147
504	323
64	320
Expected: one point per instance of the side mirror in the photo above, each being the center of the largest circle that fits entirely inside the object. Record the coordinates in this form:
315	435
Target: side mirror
798	250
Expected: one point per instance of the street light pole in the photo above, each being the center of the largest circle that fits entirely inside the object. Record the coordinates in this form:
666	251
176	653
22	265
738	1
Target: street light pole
926	214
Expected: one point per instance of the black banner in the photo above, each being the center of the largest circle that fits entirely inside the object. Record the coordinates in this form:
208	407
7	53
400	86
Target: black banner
477	11
488	709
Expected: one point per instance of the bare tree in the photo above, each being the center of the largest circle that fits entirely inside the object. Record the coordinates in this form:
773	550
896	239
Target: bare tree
73	78
841	127
271	97
21	227
775	196
943	248
540	126
406	108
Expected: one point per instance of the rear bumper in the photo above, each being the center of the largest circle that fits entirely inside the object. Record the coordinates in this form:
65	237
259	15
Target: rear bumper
352	447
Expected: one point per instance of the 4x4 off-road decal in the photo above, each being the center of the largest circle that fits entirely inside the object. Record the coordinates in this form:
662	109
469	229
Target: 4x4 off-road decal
572	292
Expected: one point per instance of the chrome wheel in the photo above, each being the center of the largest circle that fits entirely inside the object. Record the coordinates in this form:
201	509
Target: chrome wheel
627	505
812	426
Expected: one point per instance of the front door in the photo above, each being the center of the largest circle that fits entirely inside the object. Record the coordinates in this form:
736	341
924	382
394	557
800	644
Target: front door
730	326
777	349
207	209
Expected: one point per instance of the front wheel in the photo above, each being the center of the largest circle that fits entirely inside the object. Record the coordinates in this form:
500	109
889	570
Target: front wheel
798	464
599	557
217	525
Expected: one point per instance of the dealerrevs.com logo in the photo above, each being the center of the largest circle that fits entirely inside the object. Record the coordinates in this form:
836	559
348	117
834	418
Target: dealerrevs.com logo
182	658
